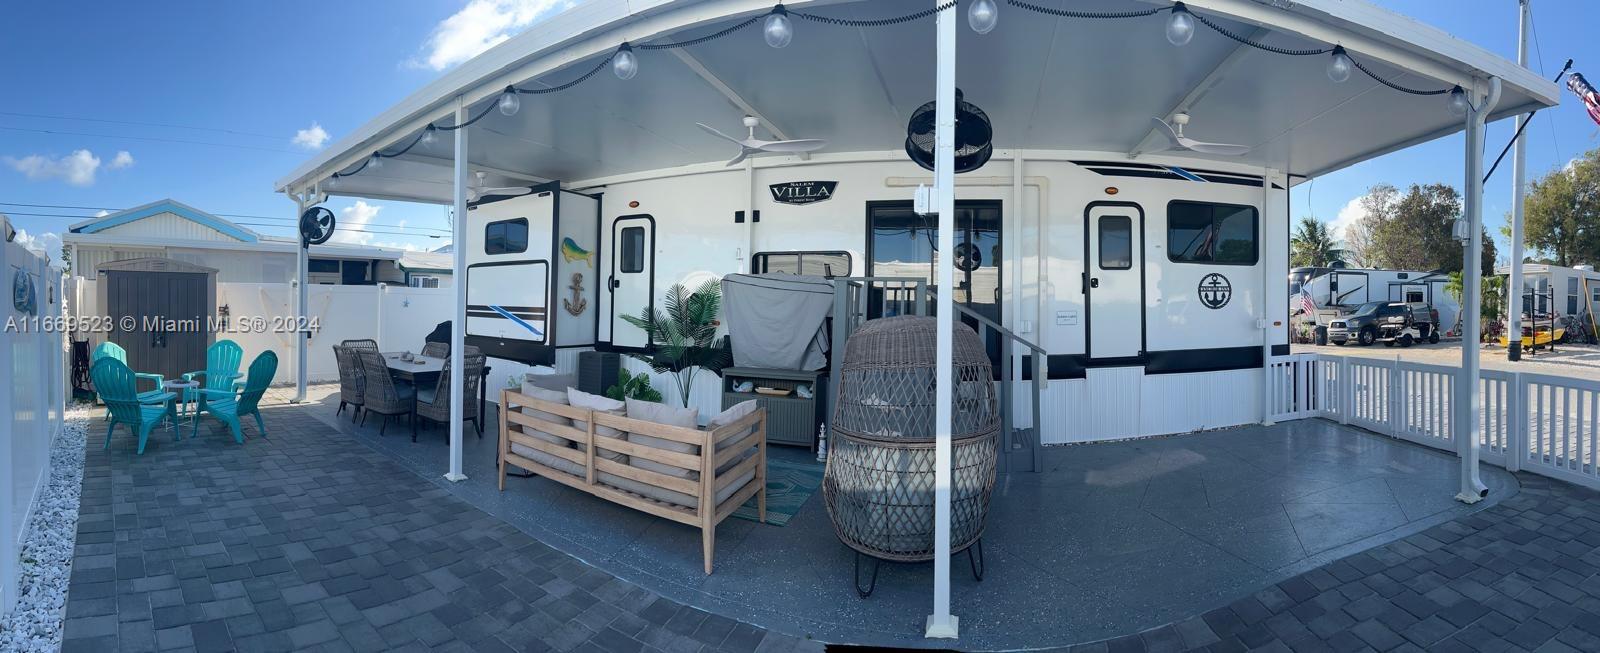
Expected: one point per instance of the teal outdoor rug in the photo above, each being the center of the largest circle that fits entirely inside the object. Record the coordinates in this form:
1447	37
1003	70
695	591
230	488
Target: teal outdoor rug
789	484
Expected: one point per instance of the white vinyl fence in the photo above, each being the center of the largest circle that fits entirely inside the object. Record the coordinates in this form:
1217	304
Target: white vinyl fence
32	400
1548	425
398	317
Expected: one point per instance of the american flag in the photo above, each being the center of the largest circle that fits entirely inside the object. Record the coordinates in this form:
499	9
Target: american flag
1307	305
1591	99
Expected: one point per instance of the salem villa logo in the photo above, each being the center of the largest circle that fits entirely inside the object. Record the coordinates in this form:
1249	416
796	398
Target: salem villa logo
803	192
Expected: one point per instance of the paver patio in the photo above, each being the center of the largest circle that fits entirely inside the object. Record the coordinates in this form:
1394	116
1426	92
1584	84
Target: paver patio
312	540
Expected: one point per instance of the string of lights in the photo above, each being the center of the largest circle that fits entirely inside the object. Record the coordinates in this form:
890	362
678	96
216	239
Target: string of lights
982	17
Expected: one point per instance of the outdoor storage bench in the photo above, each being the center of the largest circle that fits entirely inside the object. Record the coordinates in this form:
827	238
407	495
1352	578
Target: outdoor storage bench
689	475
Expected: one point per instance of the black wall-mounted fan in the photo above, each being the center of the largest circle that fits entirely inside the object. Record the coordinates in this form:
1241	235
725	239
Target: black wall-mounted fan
974	136
316	226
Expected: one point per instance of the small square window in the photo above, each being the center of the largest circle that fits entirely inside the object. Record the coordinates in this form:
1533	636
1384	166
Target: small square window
506	237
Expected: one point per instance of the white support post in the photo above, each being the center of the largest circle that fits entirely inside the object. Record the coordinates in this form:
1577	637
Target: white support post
941	623
1264	323
1346	389
302	272
458	275
1519	171
1466	400
1516	423
748	265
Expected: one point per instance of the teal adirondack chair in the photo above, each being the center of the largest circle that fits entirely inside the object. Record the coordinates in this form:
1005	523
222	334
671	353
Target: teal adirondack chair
247	402
114	350
114	382
217	381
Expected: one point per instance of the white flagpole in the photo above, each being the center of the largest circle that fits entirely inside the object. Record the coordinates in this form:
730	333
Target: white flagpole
1519	170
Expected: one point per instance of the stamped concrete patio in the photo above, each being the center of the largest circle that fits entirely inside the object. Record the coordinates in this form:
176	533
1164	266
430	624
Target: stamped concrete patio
1226	540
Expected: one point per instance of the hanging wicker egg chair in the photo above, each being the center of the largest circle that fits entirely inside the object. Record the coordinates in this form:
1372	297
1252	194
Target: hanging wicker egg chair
879	482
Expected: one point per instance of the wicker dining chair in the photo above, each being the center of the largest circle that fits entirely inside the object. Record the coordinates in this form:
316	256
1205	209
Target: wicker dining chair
434	403
436	350
361	343
381	394
352	382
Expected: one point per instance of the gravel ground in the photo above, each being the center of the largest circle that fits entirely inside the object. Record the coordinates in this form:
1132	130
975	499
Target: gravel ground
35	624
1574	361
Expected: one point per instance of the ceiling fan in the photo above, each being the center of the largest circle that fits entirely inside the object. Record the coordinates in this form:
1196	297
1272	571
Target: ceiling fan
476	189
1177	141
753	145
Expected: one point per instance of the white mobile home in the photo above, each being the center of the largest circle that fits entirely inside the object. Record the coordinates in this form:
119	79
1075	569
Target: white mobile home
1146	263
1562	290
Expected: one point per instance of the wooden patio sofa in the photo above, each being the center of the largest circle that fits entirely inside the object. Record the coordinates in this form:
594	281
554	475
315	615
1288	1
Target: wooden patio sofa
708	490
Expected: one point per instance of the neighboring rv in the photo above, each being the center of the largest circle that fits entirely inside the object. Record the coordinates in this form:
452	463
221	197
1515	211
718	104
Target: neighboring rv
1559	300
1338	290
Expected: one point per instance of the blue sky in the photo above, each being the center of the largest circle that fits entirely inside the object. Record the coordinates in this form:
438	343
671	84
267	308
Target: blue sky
244	88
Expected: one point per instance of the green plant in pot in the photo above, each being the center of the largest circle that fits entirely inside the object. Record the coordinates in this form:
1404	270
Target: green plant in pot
633	386
684	334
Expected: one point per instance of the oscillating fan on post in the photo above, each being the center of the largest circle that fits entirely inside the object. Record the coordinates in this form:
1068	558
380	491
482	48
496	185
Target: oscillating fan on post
974	136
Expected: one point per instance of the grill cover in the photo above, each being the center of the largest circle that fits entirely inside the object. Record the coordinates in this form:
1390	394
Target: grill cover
776	321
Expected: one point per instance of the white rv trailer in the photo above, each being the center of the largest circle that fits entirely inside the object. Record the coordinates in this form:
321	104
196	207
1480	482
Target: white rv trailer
1152	277
1563	290
1343	288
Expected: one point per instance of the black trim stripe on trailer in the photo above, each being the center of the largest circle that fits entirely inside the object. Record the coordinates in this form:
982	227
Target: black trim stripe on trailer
1182	361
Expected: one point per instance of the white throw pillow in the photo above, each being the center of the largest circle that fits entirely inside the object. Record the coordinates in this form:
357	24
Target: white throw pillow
553	397
655	413
580	399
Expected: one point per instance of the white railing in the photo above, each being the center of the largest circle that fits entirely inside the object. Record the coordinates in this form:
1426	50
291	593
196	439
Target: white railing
1538	423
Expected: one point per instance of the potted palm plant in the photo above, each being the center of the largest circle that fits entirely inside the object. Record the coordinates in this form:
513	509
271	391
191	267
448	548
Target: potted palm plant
683	335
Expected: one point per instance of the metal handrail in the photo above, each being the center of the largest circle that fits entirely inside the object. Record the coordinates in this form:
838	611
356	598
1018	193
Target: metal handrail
1036	384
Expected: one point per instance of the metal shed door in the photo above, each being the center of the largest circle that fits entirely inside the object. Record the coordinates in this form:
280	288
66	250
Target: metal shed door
1114	280
169	334
633	268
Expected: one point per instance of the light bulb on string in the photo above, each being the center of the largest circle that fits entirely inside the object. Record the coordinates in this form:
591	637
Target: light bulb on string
509	102
1180	25
427	136
1458	102
1339	65
778	30
377	161
982	16
624	63
332	182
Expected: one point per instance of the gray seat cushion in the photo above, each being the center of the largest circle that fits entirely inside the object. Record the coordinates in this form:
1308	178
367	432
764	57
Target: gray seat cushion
552	396
655	413
580	399
672	496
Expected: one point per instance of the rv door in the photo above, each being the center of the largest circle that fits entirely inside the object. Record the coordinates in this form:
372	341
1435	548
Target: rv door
632	281
1114	282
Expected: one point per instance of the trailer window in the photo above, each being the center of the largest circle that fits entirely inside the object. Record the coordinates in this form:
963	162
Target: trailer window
822	264
506	237
631	250
1116	242
1219	234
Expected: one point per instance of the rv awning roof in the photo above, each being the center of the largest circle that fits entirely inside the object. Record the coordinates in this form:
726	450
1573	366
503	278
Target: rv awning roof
1047	83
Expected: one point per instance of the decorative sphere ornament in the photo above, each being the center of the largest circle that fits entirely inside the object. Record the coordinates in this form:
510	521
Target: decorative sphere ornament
778	30
1180	25
982	16
625	64
1339	66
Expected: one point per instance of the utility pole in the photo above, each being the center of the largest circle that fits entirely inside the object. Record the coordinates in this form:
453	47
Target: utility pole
1519	169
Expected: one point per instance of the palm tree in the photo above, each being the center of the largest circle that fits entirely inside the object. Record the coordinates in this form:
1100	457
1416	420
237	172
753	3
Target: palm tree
684	335
1313	244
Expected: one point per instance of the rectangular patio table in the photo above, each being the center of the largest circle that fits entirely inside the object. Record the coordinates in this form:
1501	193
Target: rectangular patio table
426	369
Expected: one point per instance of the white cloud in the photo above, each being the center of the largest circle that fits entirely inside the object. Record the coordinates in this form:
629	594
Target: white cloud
122	160
77	168
311	138
354	217
480	25
48	244
409	247
1352	213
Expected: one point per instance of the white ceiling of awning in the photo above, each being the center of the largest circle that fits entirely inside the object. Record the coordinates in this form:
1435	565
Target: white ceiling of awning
1047	83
